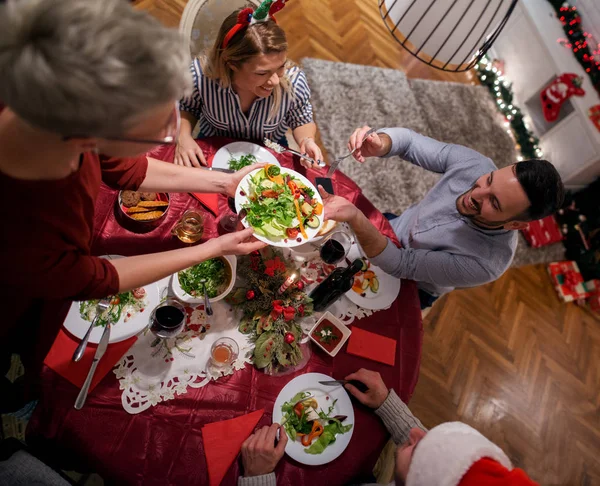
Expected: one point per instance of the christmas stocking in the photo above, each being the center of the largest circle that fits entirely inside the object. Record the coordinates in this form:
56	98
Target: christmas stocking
562	88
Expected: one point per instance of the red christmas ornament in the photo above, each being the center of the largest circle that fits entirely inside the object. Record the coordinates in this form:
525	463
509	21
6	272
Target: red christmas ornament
250	294
289	338
554	95
300	285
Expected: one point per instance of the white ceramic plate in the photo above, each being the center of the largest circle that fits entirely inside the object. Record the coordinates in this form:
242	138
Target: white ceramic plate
310	382
121	330
389	287
237	149
243	187
190	299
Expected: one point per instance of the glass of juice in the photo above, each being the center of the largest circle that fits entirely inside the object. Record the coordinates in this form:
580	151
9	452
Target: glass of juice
224	352
190	227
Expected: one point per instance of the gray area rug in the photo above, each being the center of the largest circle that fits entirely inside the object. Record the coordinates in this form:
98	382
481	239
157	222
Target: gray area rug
346	96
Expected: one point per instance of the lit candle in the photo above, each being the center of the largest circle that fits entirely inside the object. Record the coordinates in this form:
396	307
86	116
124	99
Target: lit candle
288	281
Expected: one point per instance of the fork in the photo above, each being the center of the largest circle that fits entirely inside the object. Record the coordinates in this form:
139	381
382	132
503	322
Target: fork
334	165
101	308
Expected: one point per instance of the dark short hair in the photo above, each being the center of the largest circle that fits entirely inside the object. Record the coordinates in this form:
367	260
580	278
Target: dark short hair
543	186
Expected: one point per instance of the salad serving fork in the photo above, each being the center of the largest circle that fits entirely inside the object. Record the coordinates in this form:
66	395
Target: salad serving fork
281	149
334	165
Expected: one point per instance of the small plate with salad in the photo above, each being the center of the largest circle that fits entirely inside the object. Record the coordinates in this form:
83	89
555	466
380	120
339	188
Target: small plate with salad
238	155
129	313
282	206
219	274
372	287
318	419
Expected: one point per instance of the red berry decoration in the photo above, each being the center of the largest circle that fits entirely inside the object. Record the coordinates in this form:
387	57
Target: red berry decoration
300	285
289	338
250	294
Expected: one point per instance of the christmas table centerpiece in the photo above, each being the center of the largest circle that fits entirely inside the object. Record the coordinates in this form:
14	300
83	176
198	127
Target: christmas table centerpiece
272	300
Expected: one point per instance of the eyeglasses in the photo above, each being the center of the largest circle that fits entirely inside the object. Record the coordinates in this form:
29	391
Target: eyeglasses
171	131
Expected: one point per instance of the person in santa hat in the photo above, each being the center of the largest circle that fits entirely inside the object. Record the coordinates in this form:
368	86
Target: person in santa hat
450	454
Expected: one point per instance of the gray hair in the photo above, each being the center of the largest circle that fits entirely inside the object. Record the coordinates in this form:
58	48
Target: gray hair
87	67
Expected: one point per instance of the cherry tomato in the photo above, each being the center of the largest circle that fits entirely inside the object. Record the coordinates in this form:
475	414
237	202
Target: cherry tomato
139	292
292	232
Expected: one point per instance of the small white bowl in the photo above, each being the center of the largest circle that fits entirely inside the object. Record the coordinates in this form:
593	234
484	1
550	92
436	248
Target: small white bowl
337	323
190	299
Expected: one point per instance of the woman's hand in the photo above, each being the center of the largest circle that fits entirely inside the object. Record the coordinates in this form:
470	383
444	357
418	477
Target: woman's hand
238	243
236	178
188	152
375	145
310	148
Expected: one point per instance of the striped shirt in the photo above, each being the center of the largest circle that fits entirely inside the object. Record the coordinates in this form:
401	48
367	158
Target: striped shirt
219	111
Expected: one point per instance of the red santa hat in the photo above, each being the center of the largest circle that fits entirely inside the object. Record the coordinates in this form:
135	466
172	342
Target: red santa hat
455	454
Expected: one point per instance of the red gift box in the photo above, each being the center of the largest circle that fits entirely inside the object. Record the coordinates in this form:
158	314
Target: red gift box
568	281
542	232
594	302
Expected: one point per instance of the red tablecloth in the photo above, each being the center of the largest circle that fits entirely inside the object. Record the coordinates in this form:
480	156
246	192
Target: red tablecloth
163	445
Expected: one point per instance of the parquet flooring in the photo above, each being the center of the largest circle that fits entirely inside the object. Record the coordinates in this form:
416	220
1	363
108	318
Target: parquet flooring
508	357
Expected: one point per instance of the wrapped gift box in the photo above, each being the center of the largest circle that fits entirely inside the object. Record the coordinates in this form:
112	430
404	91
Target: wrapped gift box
594	302
542	232
567	281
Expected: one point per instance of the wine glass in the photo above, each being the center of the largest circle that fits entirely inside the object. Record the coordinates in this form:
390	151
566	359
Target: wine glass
167	319
228	223
336	247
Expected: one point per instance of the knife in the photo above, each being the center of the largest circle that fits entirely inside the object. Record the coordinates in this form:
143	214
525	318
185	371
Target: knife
358	384
218	169
102	345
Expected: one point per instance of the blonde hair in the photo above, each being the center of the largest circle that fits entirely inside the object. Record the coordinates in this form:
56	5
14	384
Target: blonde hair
260	38
87	67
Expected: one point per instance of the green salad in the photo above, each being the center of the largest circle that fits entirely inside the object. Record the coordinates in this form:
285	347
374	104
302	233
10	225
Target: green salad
124	305
241	162
316	430
215	271
280	206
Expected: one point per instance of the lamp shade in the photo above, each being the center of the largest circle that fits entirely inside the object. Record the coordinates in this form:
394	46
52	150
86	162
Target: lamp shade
451	35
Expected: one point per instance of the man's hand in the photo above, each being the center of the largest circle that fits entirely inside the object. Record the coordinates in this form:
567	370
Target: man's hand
377	392
188	153
259	453
310	148
337	208
236	177
238	243
375	145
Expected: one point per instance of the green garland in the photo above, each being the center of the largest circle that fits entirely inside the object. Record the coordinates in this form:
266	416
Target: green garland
501	91
577	40
268	316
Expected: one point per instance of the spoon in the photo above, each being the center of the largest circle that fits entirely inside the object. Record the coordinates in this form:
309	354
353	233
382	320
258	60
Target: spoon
207	306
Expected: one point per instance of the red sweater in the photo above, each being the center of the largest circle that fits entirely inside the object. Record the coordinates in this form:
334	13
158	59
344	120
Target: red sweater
46	239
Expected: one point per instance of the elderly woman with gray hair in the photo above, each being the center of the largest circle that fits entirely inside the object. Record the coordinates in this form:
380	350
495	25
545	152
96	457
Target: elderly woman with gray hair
88	86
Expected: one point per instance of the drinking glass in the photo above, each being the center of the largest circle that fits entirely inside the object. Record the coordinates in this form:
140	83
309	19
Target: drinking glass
223	352
167	319
190	227
229	221
335	247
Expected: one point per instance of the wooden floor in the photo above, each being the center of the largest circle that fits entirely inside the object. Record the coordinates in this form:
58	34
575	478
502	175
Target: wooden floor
507	358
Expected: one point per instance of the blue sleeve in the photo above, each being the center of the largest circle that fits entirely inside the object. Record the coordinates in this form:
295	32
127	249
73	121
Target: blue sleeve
439	268
300	112
429	153
193	102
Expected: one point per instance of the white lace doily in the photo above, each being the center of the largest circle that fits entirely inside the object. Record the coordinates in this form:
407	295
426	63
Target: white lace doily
153	372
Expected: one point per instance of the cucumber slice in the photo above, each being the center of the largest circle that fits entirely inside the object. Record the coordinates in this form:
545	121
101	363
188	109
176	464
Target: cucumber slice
267	184
365	265
374	285
365	284
313	222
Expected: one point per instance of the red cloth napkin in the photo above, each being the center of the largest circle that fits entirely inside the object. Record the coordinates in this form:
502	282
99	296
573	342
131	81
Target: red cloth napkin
209	201
372	346
59	358
223	441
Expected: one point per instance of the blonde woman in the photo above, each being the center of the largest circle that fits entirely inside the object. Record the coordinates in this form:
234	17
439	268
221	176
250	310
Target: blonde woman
245	88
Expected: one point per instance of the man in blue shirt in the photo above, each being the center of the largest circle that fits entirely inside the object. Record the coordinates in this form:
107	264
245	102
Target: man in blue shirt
463	232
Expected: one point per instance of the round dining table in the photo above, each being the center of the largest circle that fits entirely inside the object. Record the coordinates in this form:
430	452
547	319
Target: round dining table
163	445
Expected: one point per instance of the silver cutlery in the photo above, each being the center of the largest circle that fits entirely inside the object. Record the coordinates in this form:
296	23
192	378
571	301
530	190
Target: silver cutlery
102	345
280	149
334	165
218	169
207	306
358	384
101	308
